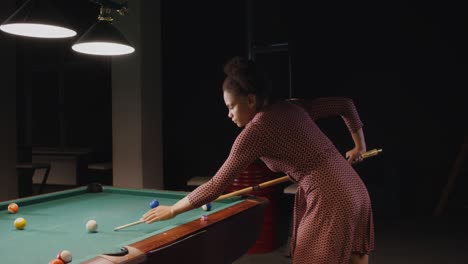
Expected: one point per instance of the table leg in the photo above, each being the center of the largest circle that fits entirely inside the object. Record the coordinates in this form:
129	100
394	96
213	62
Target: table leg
25	182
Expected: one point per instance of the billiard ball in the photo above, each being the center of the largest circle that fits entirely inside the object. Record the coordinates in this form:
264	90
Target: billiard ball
13	208
65	256
56	261
20	223
204	218
207	207
91	226
154	203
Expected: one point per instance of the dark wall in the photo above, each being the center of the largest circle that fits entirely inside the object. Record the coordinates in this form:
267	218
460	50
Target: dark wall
404	67
198	39
431	107
63	97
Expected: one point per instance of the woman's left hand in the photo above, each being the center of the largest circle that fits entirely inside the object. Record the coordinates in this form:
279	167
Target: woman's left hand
355	155
159	213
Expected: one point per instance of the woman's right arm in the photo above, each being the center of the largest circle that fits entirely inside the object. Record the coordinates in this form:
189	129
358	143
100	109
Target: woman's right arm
248	146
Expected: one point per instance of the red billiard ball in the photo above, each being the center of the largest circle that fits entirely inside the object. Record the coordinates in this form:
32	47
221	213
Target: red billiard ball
56	261
13	208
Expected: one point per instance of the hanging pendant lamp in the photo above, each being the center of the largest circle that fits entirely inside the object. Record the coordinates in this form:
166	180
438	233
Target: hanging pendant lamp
103	38
38	19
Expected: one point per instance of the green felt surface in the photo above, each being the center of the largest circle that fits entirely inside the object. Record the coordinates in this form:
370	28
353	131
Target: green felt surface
57	222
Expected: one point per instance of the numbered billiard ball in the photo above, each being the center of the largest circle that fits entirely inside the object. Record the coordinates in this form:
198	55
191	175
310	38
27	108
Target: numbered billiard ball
207	207
91	226
13	208
65	256
20	223
154	203
56	261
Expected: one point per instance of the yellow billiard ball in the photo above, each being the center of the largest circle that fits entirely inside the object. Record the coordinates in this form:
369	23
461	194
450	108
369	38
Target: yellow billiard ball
20	223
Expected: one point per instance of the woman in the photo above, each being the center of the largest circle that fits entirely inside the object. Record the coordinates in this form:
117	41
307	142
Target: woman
333	221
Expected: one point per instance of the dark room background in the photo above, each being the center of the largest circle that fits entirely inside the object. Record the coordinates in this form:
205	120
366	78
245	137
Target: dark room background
403	65
63	97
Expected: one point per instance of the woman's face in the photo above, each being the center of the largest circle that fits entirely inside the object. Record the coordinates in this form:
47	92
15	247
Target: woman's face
241	108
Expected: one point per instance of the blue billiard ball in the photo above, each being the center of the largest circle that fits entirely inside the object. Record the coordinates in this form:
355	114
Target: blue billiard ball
207	207
154	203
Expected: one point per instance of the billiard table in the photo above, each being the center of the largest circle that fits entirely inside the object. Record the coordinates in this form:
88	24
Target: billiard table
57	221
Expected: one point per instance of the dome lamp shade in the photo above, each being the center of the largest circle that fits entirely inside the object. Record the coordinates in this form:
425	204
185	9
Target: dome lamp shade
104	39
38	19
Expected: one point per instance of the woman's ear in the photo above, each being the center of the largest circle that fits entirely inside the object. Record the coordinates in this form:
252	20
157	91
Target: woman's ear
252	101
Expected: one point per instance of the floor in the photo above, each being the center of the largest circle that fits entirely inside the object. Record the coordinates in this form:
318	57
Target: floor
424	240
429	240
279	256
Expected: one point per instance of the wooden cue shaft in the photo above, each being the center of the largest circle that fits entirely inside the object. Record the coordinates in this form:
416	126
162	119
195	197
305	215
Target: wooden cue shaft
364	155
251	188
128	225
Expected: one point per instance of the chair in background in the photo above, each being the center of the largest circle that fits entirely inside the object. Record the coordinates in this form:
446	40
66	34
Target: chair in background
26	172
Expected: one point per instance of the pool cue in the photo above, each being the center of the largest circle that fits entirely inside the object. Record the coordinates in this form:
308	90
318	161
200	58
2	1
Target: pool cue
253	188
371	153
365	155
128	225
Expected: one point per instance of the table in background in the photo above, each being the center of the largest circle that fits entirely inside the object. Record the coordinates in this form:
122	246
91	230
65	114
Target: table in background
56	221
98	173
25	172
69	165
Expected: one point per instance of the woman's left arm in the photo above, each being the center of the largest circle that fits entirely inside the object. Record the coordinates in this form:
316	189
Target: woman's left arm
344	107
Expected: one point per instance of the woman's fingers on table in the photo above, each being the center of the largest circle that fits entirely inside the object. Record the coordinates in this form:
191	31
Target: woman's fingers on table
157	214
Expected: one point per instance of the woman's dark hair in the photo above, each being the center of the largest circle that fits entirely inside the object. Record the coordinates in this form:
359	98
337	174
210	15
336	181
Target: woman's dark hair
245	77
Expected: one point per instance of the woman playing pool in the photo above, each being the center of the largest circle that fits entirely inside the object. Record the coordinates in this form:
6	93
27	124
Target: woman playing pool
333	222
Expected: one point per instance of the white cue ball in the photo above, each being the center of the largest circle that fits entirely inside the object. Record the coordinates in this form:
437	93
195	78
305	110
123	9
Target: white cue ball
91	226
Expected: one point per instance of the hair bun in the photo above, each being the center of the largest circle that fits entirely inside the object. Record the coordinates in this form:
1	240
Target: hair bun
237	66
243	77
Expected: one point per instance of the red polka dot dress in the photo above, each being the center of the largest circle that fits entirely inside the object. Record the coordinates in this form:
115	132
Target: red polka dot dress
332	210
